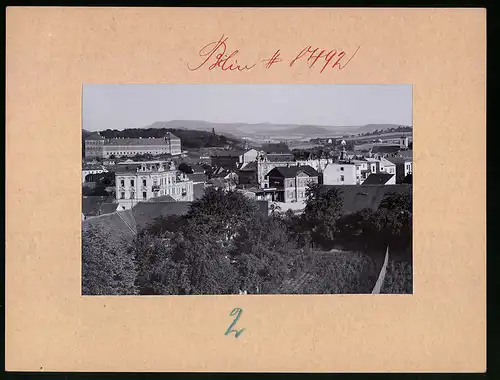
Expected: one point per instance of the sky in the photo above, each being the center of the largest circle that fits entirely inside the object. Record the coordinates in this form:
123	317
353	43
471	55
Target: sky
120	106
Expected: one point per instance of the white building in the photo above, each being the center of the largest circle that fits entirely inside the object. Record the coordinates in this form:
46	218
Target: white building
98	146
141	181
387	166
342	174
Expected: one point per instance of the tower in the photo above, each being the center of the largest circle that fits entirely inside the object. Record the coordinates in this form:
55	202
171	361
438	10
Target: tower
403	142
343	152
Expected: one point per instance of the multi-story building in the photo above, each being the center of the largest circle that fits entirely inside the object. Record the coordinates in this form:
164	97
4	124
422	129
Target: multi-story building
268	161
342	173
387	166
247	175
289	184
98	146
141	181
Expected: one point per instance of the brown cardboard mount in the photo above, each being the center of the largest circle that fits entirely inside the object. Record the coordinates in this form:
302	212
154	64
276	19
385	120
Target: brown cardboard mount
52	52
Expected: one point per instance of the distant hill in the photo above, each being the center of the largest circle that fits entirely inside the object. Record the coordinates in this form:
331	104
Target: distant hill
190	138
234	132
270	130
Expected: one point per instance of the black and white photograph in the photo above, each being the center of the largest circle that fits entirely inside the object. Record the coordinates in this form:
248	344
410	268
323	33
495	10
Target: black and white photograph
238	189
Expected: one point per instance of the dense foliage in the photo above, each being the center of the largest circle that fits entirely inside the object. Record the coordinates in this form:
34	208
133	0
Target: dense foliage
107	267
401	128
224	245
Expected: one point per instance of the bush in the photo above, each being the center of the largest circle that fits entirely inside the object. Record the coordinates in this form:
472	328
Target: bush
107	268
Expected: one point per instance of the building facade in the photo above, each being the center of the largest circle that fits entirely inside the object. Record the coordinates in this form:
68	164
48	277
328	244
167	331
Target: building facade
404	166
341	174
142	181
98	146
387	166
231	158
289	184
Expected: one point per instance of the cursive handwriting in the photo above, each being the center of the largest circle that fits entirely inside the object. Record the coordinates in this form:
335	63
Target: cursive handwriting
217	55
235	312
315	54
222	60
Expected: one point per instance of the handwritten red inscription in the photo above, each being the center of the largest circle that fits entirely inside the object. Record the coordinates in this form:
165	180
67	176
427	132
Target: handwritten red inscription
216	55
222	60
271	61
314	55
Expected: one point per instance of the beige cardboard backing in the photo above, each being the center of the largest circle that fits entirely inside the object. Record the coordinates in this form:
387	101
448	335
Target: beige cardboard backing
51	52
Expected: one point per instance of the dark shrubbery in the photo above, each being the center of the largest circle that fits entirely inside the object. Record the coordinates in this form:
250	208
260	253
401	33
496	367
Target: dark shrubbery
107	268
223	245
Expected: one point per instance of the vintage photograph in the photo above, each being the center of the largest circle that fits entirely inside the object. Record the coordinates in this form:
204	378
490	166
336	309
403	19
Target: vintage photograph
246	189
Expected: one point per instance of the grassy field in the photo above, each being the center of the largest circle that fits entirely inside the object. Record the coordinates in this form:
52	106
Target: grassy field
336	272
399	278
344	272
383	136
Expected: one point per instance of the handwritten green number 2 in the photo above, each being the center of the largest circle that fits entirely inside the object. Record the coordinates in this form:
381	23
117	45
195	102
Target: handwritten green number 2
235	312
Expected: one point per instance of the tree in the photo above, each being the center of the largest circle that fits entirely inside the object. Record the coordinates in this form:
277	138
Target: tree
263	254
108	268
205	266
185	168
164	224
323	209
393	220
221	213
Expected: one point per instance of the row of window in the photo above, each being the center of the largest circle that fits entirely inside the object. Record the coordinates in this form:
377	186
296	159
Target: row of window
133	153
176	191
301	194
166	181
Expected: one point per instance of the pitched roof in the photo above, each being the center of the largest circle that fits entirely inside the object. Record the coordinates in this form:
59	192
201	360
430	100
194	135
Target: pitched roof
94	136
399	160
197	177
386	162
252	166
107	208
172	136
162	198
119	225
136	141
357	197
145	213
378	179
292	171
91	204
